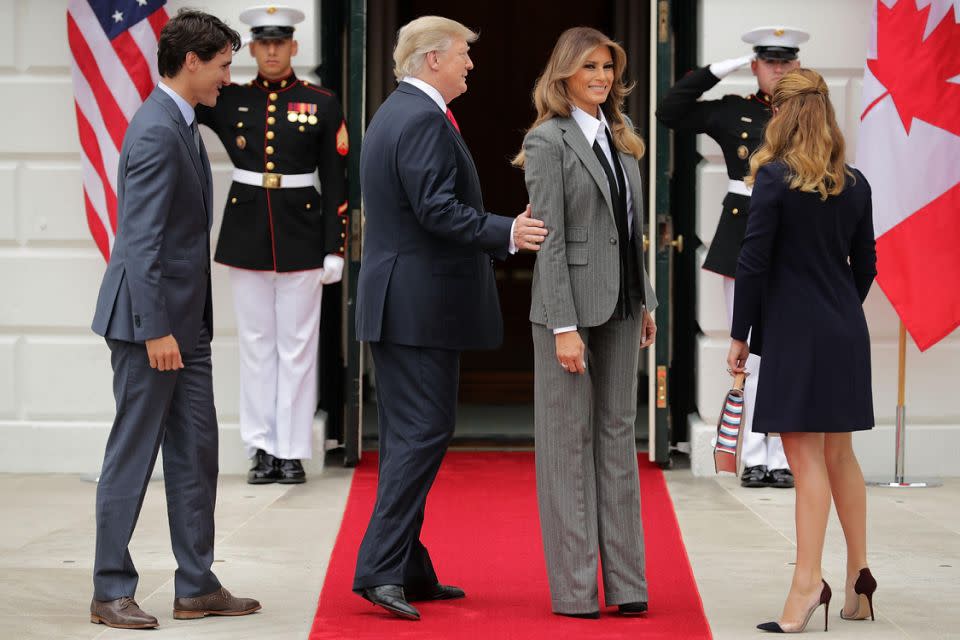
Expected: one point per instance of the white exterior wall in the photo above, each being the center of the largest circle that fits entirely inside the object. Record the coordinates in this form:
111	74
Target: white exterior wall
56	399
837	49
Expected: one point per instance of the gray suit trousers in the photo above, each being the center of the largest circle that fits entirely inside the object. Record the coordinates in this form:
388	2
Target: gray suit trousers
172	409
588	486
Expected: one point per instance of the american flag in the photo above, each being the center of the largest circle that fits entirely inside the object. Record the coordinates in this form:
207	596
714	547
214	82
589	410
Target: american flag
113	45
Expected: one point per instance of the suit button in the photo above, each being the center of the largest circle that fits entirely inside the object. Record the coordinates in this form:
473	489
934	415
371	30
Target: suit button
613	241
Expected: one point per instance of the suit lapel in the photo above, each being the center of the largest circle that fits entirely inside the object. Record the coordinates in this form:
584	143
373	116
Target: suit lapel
575	138
186	137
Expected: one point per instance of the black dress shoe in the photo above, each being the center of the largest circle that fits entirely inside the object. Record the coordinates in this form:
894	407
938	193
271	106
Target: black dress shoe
593	615
754	477
391	598
780	478
436	592
291	472
265	469
632	608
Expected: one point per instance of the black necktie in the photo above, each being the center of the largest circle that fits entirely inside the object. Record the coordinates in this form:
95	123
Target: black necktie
618	196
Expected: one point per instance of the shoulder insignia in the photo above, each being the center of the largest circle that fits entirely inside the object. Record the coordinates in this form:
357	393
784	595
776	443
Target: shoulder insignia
343	140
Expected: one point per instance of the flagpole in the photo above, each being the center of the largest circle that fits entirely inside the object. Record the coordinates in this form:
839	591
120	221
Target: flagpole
899	479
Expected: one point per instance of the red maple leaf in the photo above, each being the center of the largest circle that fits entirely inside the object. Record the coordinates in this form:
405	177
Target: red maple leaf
916	72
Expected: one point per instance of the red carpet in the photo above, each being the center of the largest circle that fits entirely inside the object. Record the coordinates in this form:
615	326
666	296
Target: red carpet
483	534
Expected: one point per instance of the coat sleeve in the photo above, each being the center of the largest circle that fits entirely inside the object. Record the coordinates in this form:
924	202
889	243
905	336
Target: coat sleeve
863	247
682	108
427	165
757	249
544	177
332	152
150	179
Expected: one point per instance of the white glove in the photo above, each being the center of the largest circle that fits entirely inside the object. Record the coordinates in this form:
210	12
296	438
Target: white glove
725	67
332	269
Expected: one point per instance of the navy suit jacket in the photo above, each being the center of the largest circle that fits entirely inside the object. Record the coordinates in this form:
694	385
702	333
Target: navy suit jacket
158	280
426	276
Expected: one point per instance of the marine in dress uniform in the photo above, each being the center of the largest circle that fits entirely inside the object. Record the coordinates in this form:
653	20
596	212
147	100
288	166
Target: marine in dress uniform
737	123
281	237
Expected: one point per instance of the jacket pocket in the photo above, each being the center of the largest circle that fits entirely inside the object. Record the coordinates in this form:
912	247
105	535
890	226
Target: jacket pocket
577	255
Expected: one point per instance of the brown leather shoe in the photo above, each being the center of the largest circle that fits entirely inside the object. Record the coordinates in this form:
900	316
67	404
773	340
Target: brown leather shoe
218	603
122	613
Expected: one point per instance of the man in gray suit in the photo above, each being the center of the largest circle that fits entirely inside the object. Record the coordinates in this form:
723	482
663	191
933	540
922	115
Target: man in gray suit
155	311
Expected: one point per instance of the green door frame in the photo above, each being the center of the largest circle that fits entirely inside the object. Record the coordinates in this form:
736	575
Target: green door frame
355	91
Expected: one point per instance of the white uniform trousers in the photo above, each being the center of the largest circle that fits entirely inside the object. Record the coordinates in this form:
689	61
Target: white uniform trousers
278	326
758	448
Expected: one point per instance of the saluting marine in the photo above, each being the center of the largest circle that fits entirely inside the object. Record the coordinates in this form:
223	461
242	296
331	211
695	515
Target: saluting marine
737	123
282	239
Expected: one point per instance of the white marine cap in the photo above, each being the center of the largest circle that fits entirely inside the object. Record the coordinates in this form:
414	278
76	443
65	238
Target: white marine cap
271	22
777	42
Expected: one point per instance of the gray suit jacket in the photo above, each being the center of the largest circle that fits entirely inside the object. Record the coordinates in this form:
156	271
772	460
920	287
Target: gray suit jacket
577	275
158	280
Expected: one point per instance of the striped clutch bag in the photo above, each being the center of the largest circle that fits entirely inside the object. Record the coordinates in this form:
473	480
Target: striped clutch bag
726	451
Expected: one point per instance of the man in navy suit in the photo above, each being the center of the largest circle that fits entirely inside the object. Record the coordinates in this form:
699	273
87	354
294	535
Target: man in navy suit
156	312
426	292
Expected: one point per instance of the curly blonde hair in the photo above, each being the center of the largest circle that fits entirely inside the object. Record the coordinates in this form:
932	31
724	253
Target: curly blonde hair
550	91
804	135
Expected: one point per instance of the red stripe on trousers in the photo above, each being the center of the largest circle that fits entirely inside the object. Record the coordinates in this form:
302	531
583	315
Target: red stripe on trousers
133	61
918	267
157	19
96	228
91	147
113	116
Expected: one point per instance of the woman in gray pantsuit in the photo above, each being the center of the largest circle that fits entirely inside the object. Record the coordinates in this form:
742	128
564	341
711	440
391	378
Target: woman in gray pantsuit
591	316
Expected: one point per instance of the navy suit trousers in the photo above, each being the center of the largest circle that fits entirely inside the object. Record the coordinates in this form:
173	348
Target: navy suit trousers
417	402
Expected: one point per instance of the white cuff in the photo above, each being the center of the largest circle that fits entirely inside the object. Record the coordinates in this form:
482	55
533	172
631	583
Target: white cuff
512	246
560	330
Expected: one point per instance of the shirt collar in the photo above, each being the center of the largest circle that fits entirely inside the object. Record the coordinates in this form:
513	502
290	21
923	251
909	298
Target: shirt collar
588	124
428	89
185	109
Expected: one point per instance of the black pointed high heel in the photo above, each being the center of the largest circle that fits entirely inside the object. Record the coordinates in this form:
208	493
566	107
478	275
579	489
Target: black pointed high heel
795	627
865	586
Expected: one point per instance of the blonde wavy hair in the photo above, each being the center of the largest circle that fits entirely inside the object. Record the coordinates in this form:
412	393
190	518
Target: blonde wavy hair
803	134
550	95
421	36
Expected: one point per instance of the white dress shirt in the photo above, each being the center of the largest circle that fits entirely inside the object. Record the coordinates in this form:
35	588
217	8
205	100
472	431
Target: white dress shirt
593	131
434	95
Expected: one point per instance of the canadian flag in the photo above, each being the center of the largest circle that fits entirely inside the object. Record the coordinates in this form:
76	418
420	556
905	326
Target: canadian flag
909	150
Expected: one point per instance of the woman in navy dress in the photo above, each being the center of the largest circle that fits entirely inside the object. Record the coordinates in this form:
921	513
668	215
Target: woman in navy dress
806	264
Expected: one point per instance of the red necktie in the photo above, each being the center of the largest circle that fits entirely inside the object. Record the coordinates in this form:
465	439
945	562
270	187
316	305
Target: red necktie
452	120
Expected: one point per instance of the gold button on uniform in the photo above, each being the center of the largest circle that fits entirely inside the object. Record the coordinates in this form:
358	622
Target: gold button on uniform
283	83
270	135
269	151
735	211
273	108
239	125
271	120
308	205
270	166
233	201
273	96
744	135
302	128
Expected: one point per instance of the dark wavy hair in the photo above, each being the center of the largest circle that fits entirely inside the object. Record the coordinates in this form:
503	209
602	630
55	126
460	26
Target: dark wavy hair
196	31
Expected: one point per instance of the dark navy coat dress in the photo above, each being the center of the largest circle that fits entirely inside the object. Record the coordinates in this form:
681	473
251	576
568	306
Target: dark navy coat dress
804	270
